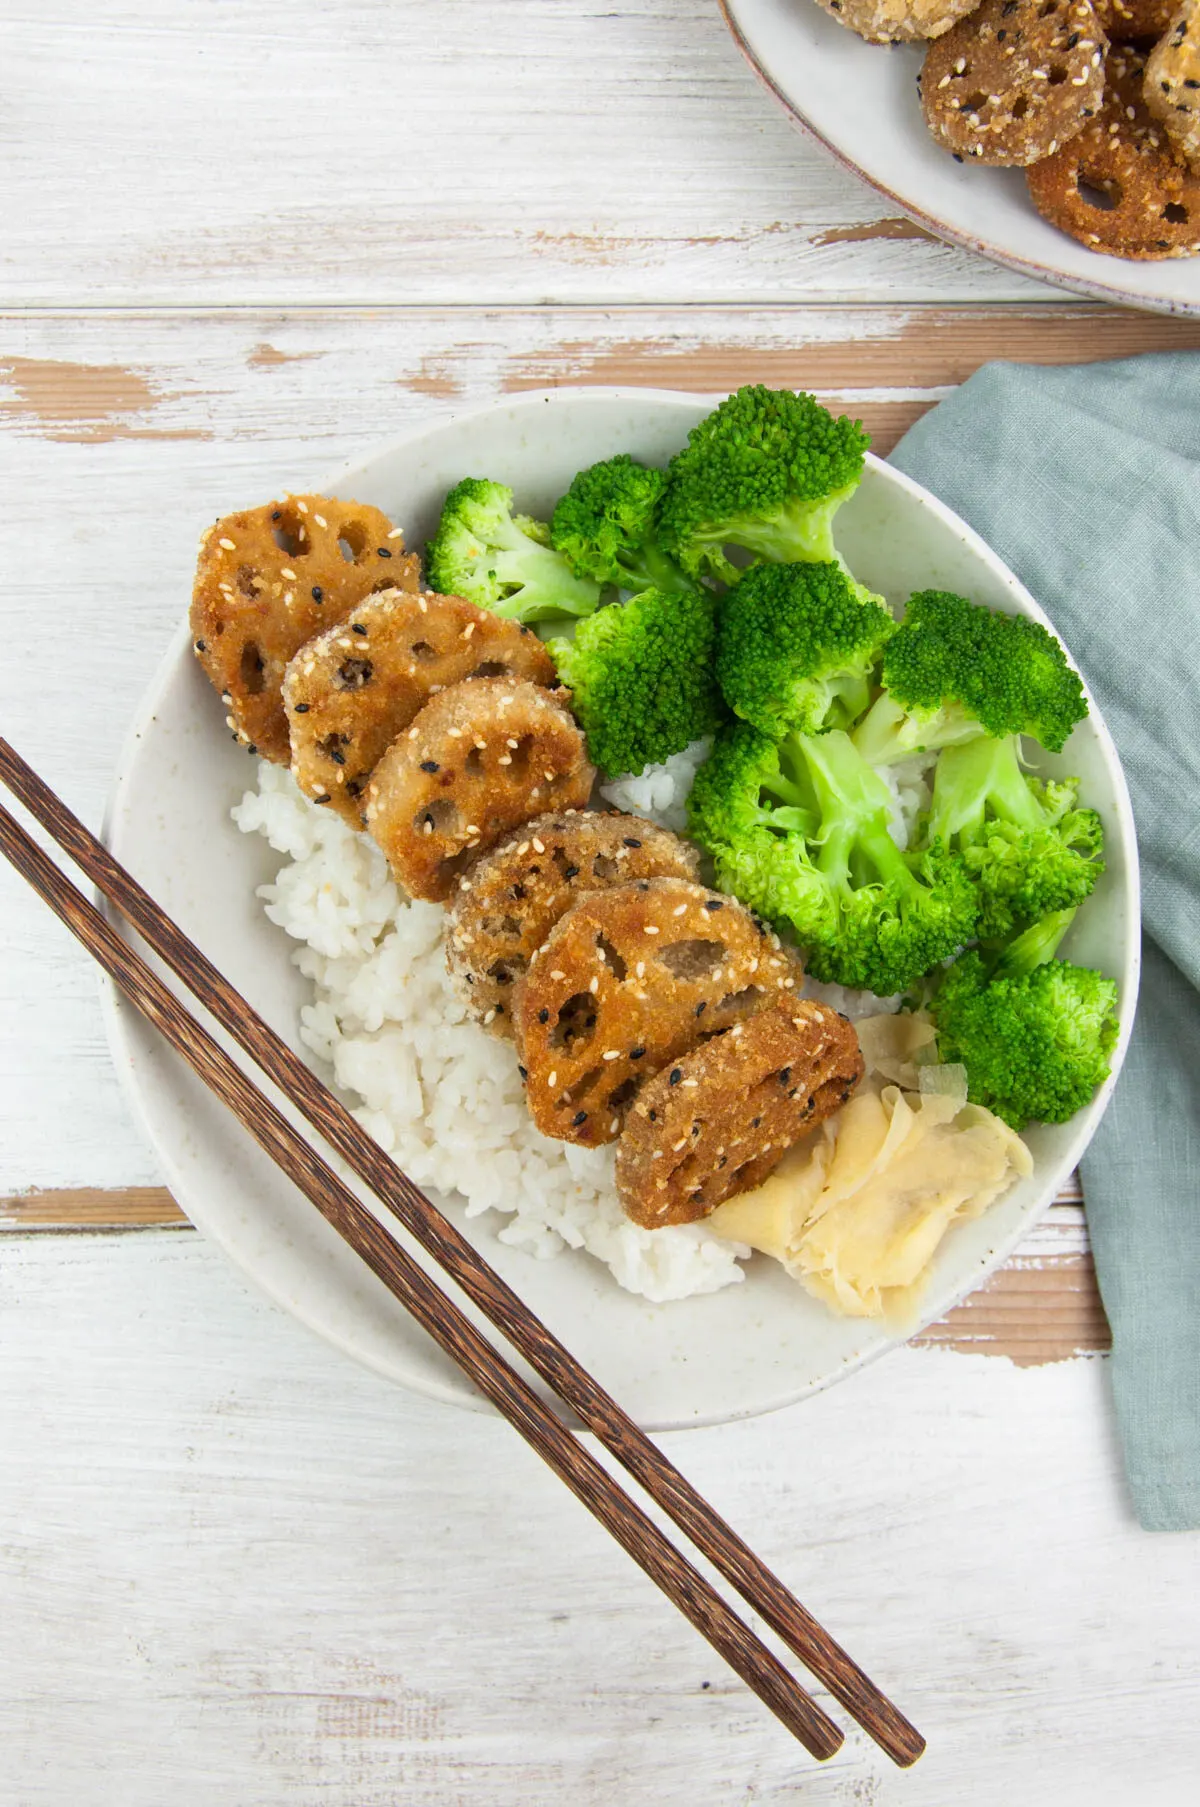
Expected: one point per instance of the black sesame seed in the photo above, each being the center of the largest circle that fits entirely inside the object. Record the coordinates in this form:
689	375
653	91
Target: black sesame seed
317	593
251	748
757	1123
724	1160
795	1089
543	1016
630	842
695	1129
714	903
676	1075
956	156
1072	40
578	1118
278	515
200	647
571	872
383	552
523	1071
642	885
636	1053
654	1116
785	1075
358	628
701	1008
430	765
323	798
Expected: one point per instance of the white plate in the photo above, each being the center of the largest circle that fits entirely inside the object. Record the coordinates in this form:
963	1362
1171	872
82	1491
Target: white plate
860	100
748	1349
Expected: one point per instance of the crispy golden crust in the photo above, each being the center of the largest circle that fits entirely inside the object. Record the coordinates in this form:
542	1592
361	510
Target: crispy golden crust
719	1120
627	980
349	692
1171	88
1116	187
506	906
1014	81
1125	21
897	21
480	758
270	578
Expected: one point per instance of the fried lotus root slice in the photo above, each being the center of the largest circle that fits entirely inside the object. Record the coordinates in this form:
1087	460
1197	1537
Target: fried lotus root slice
270	578
897	21
720	1120
1171	88
1116	187
626	982
1125	21
1015	81
505	907
480	758
349	692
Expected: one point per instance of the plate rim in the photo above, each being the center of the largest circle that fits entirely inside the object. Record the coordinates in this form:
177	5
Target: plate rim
1094	290
120	1017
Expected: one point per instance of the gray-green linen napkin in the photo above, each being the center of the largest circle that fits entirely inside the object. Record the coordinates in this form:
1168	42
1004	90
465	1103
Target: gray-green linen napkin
1086	481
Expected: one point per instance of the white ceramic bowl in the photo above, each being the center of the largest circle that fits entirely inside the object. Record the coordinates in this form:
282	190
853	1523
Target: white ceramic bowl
747	1349
860	100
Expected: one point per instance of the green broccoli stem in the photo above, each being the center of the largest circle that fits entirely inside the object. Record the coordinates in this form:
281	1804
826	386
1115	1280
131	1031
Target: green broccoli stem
650	569
970	781
889	733
855	807
1037	945
547	588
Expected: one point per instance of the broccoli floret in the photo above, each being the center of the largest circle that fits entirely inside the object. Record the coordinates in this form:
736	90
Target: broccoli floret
955	670
1026	845
642	677
605	527
766	471
796	645
1035	1045
503	561
799	831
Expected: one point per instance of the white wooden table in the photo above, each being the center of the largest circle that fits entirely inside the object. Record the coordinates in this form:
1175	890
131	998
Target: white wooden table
239	245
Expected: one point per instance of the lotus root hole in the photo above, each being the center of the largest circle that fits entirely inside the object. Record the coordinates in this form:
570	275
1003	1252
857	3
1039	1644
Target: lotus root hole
453	867
1176	213
1020	106
975	103
582	1087
624	1094
474	762
491	668
1057	75
604	868
576	1022
245	580
520	756
499	971
694	959
741	1001
352	674
611	957
1101	192
422	652
252	670
441	815
352	541
291	535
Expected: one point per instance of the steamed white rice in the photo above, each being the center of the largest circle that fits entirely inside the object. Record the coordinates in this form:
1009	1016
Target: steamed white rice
442	1096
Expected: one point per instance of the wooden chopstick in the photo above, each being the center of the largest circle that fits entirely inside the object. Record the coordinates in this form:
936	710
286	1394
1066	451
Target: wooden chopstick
436	1314
458	1257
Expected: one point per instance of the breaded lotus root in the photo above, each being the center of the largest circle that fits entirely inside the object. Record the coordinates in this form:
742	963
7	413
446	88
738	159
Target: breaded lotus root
1171	89
1014	81
481	758
1126	21
897	21
349	692
721	1119
627	981
270	578
505	907
1116	187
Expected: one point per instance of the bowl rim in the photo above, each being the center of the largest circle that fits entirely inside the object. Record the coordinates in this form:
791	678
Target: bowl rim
120	1017
1094	288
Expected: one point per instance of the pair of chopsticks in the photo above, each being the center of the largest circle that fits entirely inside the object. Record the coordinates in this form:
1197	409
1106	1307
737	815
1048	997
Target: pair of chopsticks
445	1322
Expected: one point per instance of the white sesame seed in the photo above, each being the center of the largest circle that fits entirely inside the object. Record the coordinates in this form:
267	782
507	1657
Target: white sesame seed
679	910
228	545
320	520
286	571
397	533
468	630
651	929
302	506
615	1125
538	846
558	975
552	1080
